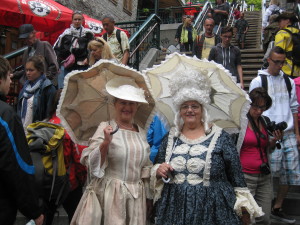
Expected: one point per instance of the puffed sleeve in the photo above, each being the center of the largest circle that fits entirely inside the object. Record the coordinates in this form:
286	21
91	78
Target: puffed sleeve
236	177
157	184
91	156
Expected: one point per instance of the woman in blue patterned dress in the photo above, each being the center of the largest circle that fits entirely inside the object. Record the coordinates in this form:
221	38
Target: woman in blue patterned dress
197	177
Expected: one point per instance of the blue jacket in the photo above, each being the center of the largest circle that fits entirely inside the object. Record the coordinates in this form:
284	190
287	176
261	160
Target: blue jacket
155	134
42	101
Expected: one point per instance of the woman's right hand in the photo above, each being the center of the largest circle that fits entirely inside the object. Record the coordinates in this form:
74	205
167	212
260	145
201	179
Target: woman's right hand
163	170
107	136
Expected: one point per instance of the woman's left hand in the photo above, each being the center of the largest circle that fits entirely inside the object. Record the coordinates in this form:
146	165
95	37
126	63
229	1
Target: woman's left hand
149	204
245	217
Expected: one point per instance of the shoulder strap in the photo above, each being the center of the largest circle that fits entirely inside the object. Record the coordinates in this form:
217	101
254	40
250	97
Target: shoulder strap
264	82
287	30
118	34
288	84
105	36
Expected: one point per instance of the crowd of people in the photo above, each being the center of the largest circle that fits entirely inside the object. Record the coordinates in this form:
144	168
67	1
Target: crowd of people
191	174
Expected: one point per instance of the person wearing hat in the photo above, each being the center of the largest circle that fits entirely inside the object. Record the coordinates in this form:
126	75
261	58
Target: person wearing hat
284	40
119	163
37	47
197	177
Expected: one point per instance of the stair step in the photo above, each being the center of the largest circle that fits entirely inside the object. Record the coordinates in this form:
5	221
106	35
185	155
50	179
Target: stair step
249	72
255	50
251	60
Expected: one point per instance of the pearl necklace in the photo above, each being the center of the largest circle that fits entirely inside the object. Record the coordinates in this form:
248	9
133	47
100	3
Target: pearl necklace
126	127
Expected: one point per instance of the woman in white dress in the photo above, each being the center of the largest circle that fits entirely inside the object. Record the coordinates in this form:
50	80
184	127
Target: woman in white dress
119	163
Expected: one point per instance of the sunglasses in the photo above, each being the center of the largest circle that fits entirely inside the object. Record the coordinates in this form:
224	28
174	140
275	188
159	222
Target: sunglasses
278	62
257	107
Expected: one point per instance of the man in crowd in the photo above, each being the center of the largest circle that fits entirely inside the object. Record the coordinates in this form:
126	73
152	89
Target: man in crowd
220	15
242	28
228	55
284	40
16	170
116	39
204	42
284	161
37	47
178	34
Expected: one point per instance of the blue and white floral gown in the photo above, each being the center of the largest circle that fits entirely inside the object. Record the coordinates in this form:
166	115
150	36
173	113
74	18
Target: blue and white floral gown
208	185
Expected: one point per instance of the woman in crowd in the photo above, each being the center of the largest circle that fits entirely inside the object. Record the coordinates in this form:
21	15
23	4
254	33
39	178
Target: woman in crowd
273	9
72	43
197	177
99	49
35	99
119	164
254	153
188	34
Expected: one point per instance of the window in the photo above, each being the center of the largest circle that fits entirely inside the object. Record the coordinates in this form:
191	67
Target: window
127	6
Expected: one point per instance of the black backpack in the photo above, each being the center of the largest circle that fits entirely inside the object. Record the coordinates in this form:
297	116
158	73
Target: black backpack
118	34
264	83
294	55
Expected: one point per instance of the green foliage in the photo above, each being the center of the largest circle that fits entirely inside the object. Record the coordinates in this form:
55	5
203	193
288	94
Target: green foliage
257	4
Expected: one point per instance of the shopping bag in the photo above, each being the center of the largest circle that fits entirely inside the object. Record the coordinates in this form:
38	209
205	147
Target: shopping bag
88	211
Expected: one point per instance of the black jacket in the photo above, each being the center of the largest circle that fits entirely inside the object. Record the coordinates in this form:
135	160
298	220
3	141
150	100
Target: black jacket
17	190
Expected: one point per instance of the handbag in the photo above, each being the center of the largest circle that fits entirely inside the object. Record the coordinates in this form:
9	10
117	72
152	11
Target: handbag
88	211
68	62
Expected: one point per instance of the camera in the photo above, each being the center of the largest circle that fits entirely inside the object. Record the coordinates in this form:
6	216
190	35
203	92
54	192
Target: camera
272	126
265	168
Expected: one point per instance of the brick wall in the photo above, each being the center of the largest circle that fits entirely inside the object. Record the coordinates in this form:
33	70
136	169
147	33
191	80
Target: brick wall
97	8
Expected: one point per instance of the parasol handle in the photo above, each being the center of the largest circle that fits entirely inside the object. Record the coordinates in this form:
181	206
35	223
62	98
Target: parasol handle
115	131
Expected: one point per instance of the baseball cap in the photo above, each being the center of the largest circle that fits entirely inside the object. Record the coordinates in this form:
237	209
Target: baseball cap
25	30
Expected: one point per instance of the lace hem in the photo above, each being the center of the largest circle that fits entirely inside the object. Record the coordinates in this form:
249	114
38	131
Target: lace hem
156	185
245	199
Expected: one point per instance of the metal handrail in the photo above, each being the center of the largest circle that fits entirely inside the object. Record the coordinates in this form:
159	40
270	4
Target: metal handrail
138	38
200	18
141	42
230	15
143	26
15	53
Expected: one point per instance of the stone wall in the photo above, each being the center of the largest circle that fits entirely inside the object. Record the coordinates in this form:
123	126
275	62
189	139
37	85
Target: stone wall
97	8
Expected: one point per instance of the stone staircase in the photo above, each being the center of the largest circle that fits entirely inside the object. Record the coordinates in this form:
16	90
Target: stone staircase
251	62
291	204
252	55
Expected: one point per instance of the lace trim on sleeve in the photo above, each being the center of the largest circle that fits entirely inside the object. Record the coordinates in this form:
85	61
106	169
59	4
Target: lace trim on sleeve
245	199
156	185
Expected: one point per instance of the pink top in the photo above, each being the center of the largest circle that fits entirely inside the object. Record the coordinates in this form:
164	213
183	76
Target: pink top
249	155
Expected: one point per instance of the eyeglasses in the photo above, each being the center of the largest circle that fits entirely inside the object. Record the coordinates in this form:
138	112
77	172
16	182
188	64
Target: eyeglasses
192	107
257	107
278	62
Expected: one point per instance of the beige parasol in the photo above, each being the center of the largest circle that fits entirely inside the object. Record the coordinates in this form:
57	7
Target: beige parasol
229	103
84	102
